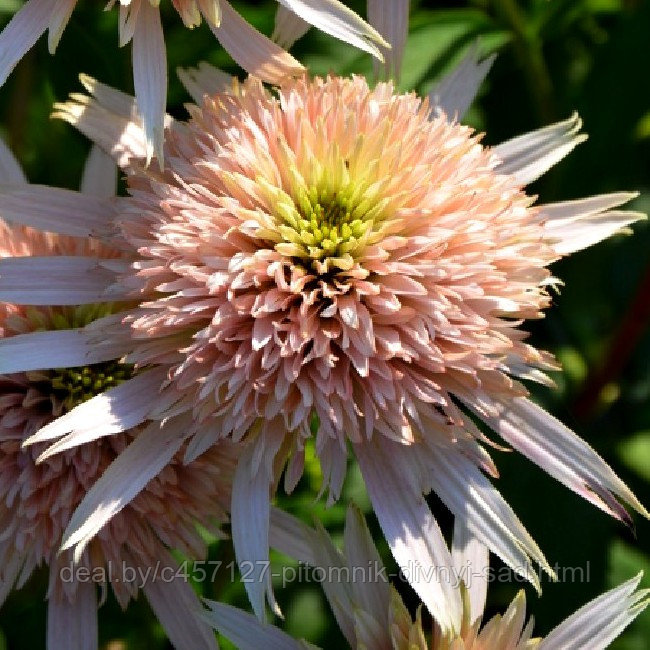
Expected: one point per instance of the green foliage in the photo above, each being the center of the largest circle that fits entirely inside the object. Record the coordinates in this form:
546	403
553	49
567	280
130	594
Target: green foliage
554	56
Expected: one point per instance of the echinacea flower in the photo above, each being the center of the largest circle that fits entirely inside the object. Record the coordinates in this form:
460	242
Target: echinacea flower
39	493
331	262
139	21
371	614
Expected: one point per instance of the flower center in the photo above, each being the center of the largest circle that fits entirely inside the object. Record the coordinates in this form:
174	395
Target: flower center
69	387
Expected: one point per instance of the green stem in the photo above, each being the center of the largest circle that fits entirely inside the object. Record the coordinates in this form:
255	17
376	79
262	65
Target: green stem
529	50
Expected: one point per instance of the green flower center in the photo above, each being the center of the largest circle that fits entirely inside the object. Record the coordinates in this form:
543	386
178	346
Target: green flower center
66	388
70	387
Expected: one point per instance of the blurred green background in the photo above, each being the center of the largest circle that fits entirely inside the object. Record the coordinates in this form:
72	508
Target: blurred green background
554	56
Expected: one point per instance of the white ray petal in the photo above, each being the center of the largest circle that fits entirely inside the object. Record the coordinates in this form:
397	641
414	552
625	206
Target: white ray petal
55	349
72	623
471	560
246	632
556	449
124	479
528	156
177	607
391	19
599	622
99	174
150	77
289	27
57	210
370	595
335	19
469	495
60	17
455	92
118	409
205	79
250	514
22	31
10	170
291	537
575	235
60	280
253	51
410	530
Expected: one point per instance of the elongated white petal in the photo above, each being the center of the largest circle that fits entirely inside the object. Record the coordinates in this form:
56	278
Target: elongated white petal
10	170
99	174
205	79
599	622
455	92
150	77
575	235
291	537
60	16
72	623
23	30
250	530
370	595
469	495
57	210
56	349
560	452
574	225
471	559
336	584
529	156
178	609
59	280
411	531
391	19
289	27
253	51
335	19
110	98
123	480
246	632
116	410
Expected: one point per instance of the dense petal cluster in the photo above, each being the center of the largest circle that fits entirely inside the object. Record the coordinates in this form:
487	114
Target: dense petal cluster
39	492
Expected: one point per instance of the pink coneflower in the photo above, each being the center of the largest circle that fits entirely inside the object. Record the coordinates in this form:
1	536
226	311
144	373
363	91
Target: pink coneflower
38	496
140	21
332	263
371	613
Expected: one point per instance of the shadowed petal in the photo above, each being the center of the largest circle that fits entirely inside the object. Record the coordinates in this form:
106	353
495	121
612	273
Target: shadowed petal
455	92
60	280
205	79
57	210
391	18
150	77
471	560
599	622
560	452
178	609
124	479
99	174
246	631
23	30
10	170
72	622
289	27
411	532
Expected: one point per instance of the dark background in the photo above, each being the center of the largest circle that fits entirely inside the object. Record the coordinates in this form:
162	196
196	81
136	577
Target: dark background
554	56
